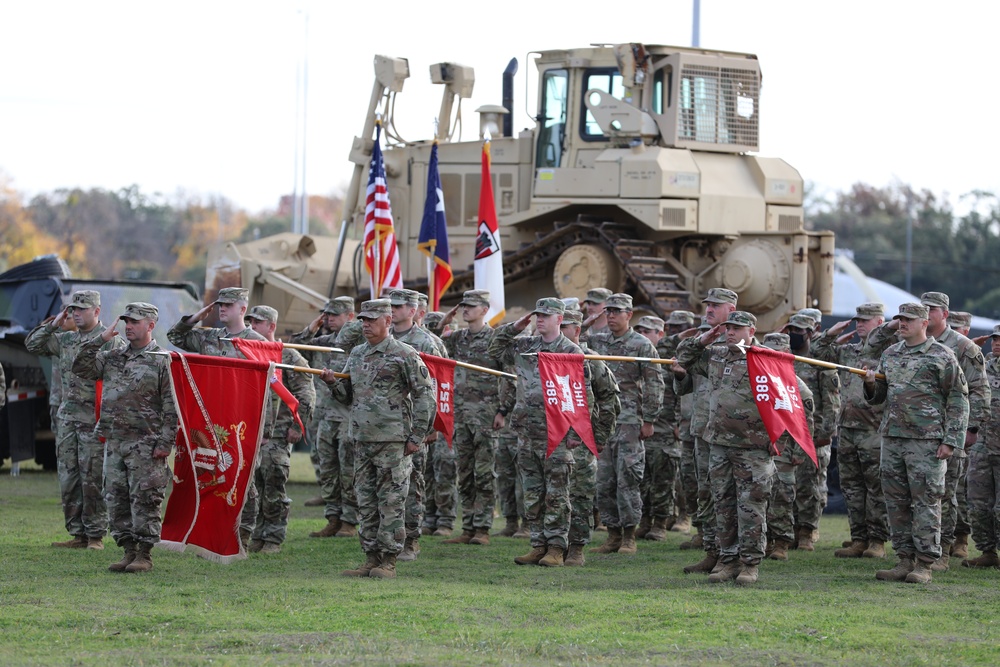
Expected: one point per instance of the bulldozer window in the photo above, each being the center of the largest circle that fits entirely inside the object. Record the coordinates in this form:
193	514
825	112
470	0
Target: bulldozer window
607	80
552	118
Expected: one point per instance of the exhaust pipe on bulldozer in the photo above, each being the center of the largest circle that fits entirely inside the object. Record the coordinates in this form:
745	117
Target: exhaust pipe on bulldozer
508	97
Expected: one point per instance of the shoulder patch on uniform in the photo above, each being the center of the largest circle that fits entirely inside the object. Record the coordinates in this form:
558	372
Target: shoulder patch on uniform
423	371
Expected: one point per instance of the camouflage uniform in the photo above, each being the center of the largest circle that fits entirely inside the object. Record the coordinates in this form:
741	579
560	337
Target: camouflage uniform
984	469
544	480
476	402
138	417
927	405
509	491
208	341
740	465
810	479
79	452
859	451
392	403
621	465
663	456
271	477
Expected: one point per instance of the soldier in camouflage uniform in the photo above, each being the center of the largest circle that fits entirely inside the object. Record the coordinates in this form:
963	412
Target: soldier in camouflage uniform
740	465
405	330
476	401
79	452
954	517
509	491
595	320
719	303
926	415
781	506
810	479
333	448
960	321
663	452
687	477
139	423
583	480
55	386
392	408
984	470
280	435
859	451
544	480
622	462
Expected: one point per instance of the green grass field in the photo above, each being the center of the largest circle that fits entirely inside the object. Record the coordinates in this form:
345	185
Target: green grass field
465	605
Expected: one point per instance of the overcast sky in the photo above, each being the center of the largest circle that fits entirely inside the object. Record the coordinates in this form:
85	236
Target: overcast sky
200	96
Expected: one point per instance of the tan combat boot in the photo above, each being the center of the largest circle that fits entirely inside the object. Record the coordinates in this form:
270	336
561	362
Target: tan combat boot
747	576
78	542
705	565
597	522
314	502
988	559
658	532
347	530
960	549
682	525
329	530
941	564
410	550
645	524
524	532
898	573
728	572
372	560
386	569
780	550
876	549
553	557
628	546
846	543
574	557
270	548
510	528
97	544
255	546
464	538
129	556
427	530
442	531
807	539
696	542
921	573
142	562
612	544
532	557
482	537
856	550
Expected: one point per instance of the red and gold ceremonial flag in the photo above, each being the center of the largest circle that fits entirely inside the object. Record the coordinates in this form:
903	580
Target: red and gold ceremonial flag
565	391
443	377
776	393
265	350
220	408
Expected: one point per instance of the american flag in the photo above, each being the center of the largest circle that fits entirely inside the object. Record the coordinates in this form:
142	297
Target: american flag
381	254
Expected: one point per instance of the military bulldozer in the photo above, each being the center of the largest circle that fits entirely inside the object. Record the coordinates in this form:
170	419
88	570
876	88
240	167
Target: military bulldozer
638	175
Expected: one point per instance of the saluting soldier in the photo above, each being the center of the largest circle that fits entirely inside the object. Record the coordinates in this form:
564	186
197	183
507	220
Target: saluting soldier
232	303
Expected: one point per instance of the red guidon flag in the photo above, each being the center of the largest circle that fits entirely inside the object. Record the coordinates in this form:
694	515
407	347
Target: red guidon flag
443	377
565	391
220	407
776	393
265	350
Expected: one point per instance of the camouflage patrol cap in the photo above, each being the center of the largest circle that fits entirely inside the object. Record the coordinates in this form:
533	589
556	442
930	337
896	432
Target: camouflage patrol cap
704	326
741	318
549	306
681	317
86	298
932	299
422	299
620	300
869	311
720	295
232	295
801	321
140	310
597	295
815	314
778	341
650	322
263	313
475	297
572	303
960	319
433	318
403	297
912	311
339	305
573	317
996	332
375	309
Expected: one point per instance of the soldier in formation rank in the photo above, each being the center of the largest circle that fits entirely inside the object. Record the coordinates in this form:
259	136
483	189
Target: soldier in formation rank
984	470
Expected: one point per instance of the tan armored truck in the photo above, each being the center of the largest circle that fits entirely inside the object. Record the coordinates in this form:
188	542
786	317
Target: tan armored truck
638	175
